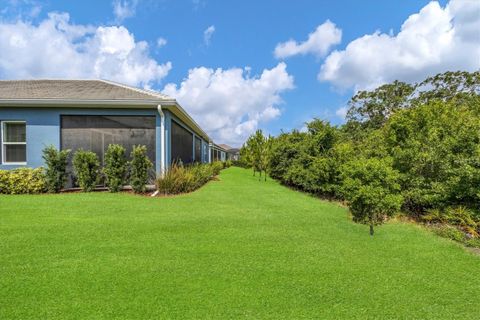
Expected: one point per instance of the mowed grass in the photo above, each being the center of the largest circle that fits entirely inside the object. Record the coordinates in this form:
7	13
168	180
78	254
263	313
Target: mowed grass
237	248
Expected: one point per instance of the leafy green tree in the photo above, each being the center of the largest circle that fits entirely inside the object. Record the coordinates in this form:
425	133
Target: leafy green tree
85	166
265	153
371	189
458	87
115	167
436	149
139	168
56	168
371	109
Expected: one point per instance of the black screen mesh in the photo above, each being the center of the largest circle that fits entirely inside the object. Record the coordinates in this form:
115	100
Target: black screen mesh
182	144
198	150
95	133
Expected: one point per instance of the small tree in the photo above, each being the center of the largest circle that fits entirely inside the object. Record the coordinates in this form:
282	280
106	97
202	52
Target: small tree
265	152
56	168
85	165
371	190
115	167
139	166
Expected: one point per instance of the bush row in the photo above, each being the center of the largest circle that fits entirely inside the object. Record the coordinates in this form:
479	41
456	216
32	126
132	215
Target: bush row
409	147
116	172
182	179
88	173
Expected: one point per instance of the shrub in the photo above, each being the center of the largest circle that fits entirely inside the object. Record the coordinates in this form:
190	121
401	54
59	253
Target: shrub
240	163
371	190
457	216
22	180
179	179
115	167
139	167
85	166
217	166
449	232
56	168
227	164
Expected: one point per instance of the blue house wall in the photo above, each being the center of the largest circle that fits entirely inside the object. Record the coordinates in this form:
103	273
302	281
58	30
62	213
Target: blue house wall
43	129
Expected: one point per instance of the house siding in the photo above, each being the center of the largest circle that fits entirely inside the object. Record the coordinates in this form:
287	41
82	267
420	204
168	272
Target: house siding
43	128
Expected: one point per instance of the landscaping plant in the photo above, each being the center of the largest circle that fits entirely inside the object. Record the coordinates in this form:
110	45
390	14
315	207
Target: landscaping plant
371	189
139	168
56	168
217	166
86	167
115	167
22	181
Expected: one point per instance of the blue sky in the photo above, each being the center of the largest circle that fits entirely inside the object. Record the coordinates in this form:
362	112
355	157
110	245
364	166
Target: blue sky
168	39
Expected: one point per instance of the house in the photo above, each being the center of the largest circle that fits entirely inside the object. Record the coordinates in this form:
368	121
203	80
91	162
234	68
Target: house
232	153
91	114
217	153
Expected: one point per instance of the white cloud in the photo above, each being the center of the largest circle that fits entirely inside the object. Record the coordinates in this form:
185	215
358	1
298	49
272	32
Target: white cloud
230	104
161	42
318	43
123	9
56	48
207	35
434	40
342	112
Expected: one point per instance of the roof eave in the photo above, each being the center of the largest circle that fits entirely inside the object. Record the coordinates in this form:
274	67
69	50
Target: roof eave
116	103
83	102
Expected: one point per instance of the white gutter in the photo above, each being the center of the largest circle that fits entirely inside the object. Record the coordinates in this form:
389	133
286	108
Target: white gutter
90	102
210	145
162	139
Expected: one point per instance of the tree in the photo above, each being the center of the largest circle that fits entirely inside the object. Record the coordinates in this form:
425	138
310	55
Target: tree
256	151
436	148
371	189
265	152
458	87
371	109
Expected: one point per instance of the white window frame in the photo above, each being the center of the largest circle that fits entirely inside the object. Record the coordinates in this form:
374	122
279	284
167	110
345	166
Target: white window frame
3	143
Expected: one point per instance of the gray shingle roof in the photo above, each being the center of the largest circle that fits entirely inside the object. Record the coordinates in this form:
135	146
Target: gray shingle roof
74	90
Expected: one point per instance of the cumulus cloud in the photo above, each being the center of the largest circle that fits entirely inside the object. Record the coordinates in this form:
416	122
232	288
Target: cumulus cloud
318	43
433	40
123	9
230	104
207	35
161	42
56	48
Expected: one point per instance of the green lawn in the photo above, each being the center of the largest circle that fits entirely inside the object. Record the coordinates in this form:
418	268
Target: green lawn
237	248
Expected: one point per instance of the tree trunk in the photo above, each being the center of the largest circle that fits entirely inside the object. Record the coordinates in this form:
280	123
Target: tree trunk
265	175
371	229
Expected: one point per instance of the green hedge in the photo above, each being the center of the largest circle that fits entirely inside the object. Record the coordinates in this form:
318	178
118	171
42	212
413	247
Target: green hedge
22	181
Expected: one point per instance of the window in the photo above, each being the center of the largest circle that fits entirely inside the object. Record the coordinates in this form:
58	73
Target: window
205	153
14	142
198	150
182	144
95	133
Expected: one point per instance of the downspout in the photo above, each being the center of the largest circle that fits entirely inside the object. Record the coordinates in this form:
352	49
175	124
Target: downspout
210	146
162	139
